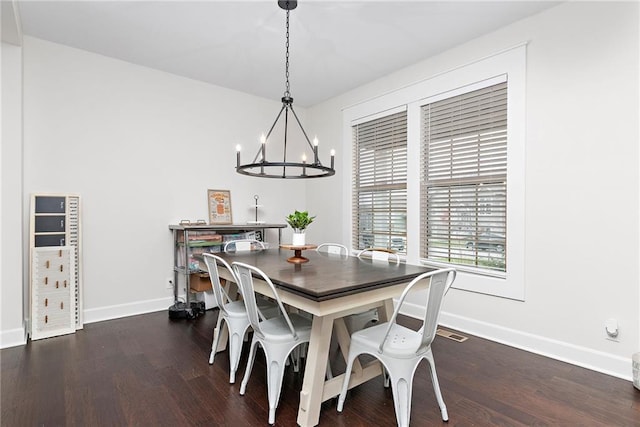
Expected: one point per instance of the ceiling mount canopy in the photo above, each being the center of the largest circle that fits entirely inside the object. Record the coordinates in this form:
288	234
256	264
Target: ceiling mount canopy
288	4
261	167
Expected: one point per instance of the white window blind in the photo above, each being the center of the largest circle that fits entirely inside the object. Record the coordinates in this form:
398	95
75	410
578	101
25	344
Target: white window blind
464	179
380	182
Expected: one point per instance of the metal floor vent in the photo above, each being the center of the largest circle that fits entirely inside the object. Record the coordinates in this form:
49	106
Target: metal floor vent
451	335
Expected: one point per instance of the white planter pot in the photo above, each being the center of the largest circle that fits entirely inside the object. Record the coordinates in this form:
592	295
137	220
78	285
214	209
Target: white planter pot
298	239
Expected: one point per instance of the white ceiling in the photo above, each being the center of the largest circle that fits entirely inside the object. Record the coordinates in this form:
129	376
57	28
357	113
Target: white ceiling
335	46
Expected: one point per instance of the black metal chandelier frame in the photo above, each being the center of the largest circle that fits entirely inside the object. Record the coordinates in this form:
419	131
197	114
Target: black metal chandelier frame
266	169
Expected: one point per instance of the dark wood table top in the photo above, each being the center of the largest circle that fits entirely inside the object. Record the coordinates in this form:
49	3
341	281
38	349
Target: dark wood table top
326	276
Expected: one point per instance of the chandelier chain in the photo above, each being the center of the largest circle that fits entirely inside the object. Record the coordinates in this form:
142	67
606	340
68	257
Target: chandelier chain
287	92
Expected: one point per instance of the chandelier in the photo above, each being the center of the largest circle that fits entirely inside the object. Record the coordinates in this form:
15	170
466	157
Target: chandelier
260	166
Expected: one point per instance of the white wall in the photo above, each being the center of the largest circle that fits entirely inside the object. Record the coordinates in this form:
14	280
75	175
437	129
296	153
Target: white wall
141	148
582	183
11	246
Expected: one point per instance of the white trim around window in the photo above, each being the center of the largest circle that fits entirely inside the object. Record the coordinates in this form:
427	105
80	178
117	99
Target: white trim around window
509	64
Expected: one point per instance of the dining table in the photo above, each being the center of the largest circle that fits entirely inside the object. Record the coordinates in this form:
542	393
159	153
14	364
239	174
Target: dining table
329	287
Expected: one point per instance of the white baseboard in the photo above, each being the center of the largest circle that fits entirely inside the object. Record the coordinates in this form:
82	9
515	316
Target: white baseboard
125	310
16	337
13	338
576	355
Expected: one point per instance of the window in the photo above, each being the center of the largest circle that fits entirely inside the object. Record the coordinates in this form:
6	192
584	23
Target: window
379	193
464	179
459	194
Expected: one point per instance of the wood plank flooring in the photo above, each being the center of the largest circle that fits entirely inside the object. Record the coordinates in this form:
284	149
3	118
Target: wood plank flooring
150	371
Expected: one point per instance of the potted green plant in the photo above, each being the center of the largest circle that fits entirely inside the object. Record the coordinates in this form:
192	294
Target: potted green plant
299	221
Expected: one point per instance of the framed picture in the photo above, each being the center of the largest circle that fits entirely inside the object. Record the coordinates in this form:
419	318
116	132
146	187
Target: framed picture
219	206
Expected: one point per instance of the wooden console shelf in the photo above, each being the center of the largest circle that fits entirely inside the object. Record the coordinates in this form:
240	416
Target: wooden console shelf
183	254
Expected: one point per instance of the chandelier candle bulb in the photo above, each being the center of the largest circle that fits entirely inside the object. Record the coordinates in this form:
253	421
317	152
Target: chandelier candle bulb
304	164
315	151
238	154
333	155
263	141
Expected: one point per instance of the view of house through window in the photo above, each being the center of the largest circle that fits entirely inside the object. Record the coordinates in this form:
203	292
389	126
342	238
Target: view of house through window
380	183
464	179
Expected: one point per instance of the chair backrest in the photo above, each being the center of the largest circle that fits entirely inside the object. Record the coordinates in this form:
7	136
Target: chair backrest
243	245
244	273
440	282
380	254
333	249
219	293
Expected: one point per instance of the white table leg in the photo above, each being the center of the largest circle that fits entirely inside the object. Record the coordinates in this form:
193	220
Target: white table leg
315	370
385	311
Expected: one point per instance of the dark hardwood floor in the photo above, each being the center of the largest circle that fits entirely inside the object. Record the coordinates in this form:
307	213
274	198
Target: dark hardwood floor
150	371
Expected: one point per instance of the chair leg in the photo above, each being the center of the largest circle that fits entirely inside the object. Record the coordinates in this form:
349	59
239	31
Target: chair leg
436	386
295	358
402	384
275	372
345	383
247	371
216	339
333	348
329	373
276	359
385	377
235	348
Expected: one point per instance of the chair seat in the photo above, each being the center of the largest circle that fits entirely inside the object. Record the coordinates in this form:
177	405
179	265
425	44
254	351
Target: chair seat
236	309
276	329
402	342
267	307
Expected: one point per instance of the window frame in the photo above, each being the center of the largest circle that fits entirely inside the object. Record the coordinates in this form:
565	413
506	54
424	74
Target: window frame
467	181
371	186
510	63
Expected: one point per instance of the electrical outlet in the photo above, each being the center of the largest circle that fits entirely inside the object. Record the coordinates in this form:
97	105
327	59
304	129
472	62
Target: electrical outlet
169	282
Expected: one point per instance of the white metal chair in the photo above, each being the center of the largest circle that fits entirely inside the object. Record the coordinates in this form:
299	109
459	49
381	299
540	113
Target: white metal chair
333	249
233	313
277	336
380	254
358	321
401	349
243	245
